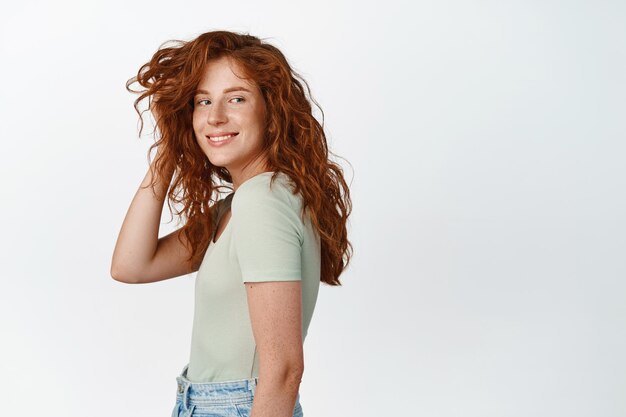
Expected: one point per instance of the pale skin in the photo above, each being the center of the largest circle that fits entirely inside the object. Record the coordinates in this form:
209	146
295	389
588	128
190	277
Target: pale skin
141	257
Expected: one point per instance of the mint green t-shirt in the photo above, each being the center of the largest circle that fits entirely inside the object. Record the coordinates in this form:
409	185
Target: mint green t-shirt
265	239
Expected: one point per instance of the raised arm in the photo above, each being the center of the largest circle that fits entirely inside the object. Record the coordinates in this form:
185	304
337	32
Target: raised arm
139	255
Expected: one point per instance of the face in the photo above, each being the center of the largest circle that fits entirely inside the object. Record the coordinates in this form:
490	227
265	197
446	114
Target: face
228	120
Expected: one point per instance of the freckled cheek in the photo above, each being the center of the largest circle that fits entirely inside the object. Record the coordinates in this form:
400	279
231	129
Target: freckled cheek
251	119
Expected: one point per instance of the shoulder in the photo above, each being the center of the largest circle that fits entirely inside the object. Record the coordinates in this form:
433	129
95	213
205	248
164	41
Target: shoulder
267	188
267	208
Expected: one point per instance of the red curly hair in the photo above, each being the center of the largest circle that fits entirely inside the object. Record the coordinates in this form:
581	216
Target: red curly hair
294	143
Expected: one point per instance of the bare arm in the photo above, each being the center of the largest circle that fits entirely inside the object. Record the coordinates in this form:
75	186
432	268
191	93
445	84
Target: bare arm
275	310
139	255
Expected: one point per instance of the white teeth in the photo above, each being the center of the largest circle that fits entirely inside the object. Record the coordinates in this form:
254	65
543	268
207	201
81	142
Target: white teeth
220	138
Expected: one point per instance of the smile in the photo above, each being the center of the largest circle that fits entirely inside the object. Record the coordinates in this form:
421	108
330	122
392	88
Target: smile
221	138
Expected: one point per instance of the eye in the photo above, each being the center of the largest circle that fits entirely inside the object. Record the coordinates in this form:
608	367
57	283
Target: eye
234	98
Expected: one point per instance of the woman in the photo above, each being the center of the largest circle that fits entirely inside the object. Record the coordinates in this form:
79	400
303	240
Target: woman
230	112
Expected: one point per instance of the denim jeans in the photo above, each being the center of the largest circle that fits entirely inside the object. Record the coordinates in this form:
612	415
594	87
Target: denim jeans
217	399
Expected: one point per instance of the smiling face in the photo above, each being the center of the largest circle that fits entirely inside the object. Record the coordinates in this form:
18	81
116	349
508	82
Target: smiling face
229	120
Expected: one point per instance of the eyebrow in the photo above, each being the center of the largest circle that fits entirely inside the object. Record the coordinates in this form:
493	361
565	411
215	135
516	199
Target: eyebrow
228	90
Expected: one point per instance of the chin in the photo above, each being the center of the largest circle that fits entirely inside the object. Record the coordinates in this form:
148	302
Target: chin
219	163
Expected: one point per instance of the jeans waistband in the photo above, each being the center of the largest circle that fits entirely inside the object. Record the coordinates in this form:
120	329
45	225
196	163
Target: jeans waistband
214	393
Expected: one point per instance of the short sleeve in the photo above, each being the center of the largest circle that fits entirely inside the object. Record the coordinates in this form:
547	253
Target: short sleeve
267	232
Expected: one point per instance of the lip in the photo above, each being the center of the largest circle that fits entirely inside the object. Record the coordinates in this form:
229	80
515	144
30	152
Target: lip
214	134
224	142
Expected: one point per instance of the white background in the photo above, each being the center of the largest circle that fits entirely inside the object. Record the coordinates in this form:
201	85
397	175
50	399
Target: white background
486	151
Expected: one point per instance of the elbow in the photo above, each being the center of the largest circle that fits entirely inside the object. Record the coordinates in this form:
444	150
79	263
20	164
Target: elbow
281	361
118	275
297	369
285	373
297	373
294	374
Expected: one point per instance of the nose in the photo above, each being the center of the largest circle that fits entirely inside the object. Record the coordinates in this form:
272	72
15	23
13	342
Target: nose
216	114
